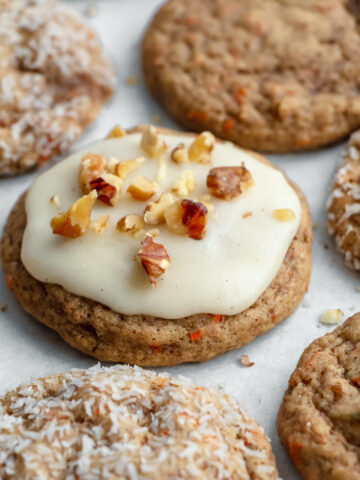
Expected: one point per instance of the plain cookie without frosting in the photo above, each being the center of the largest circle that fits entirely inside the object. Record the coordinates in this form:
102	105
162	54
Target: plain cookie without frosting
128	423
273	75
319	419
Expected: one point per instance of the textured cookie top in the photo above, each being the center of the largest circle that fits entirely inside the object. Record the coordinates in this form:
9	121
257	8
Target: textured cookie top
225	258
128	423
54	78
344	204
319	418
276	75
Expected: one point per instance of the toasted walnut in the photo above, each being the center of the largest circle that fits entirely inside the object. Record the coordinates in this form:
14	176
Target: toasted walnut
100	224
201	148
228	182
153	258
154	211
76	221
186	217
185	184
152	144
142	189
180	154
130	224
123	169
116	132
92	166
108	187
284	214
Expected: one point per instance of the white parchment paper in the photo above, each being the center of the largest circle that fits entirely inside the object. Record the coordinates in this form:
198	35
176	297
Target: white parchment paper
28	349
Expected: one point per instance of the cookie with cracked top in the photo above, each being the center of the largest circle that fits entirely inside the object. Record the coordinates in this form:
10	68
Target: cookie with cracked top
55	78
318	421
127	423
273	76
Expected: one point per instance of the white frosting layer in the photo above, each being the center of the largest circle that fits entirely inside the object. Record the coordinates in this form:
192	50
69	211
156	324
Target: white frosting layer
224	273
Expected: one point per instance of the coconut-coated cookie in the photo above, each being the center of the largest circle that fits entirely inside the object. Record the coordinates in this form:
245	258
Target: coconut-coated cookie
128	423
54	80
318	421
142	339
343	204
273	76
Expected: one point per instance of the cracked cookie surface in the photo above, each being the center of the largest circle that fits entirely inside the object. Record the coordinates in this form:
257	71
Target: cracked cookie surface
275	76
54	80
343	204
128	423
318	421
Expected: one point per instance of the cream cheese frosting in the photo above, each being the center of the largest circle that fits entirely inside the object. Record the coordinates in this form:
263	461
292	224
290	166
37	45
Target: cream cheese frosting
224	273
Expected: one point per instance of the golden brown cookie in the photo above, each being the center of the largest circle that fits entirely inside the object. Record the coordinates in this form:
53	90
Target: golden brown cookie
272	76
97	330
343	204
128	423
318	421
54	80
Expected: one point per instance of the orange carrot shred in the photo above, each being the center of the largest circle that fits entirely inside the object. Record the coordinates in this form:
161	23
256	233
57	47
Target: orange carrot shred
218	318
195	336
228	125
199	116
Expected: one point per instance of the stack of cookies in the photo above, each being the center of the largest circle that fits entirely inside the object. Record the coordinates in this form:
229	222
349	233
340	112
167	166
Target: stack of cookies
154	247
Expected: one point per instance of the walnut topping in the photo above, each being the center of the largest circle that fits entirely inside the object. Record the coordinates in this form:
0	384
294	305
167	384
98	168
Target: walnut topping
76	221
142	189
185	184
116	132
154	211
130	224
100	224
152	144
284	214
201	148
153	258
108	187
228	182
55	200
92	166
180	154
186	217
123	169
245	362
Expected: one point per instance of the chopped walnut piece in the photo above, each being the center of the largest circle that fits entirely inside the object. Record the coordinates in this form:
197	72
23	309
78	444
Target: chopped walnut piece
332	317
123	169
153	258
116	132
76	221
228	182
186	217
185	184
245	362
151	143
100	224
284	214
180	154
55	200
108	187
142	189
92	166
201	148
154	211
130	224
161	175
